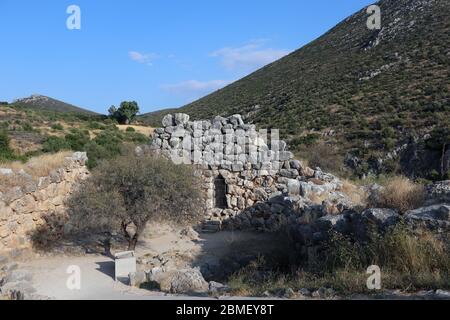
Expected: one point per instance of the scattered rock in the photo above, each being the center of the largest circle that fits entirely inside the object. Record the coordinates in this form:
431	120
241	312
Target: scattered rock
288	293
435	217
216	288
304	292
182	281
442	294
9	267
382	217
137	278
189	233
323	293
20	290
18	276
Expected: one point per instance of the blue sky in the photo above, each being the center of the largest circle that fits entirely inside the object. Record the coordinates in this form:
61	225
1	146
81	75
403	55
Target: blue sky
160	53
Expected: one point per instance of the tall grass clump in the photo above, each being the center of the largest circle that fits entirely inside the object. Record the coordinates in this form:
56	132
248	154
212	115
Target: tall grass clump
409	261
401	194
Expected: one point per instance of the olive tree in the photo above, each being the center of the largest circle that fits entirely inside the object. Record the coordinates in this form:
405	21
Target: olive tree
126	113
125	193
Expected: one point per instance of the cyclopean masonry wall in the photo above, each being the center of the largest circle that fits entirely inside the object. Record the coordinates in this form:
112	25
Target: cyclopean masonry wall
24	208
246	173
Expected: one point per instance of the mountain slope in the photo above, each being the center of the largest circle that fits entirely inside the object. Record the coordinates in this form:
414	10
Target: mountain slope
39	102
356	89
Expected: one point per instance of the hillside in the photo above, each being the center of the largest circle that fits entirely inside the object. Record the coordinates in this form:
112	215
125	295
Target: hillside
29	132
39	102
354	94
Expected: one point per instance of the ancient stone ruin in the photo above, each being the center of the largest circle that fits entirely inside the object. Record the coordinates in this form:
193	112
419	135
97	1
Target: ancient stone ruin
243	169
25	207
254	182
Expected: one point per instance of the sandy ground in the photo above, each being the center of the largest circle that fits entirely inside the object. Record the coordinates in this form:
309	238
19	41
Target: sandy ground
97	279
141	129
97	272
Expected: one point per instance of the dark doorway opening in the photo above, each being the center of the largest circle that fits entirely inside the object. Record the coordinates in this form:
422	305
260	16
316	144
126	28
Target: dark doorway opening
220	192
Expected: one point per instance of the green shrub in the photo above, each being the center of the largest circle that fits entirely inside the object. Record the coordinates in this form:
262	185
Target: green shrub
77	139
6	153
130	129
136	137
434	175
307	140
131	191
106	145
96	152
388	132
57	126
27	127
93	125
55	144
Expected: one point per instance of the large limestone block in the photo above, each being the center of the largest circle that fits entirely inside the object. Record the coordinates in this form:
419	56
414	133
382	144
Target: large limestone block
168	121
181	281
181	119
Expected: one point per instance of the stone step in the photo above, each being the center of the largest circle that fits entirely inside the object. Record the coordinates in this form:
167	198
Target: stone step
211	226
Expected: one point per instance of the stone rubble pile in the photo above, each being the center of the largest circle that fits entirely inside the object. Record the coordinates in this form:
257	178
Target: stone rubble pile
15	283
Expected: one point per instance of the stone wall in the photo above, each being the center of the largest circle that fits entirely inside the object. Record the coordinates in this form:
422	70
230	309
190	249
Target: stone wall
23	208
254	165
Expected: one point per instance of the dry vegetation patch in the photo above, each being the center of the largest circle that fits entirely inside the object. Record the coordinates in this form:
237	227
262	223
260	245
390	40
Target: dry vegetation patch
356	194
41	166
401	194
409	262
147	131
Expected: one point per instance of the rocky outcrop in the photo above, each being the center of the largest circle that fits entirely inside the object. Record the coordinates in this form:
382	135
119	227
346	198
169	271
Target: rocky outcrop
438	192
24	208
435	217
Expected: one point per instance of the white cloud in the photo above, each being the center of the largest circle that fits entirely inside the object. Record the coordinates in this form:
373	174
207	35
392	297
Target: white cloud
251	56
195	88
144	58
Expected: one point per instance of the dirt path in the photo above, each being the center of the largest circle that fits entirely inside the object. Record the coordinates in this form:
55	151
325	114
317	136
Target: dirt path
97	272
50	277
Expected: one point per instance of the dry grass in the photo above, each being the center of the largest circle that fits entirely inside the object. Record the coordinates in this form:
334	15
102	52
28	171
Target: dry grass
324	156
401	194
39	166
409	262
318	199
147	131
356	194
